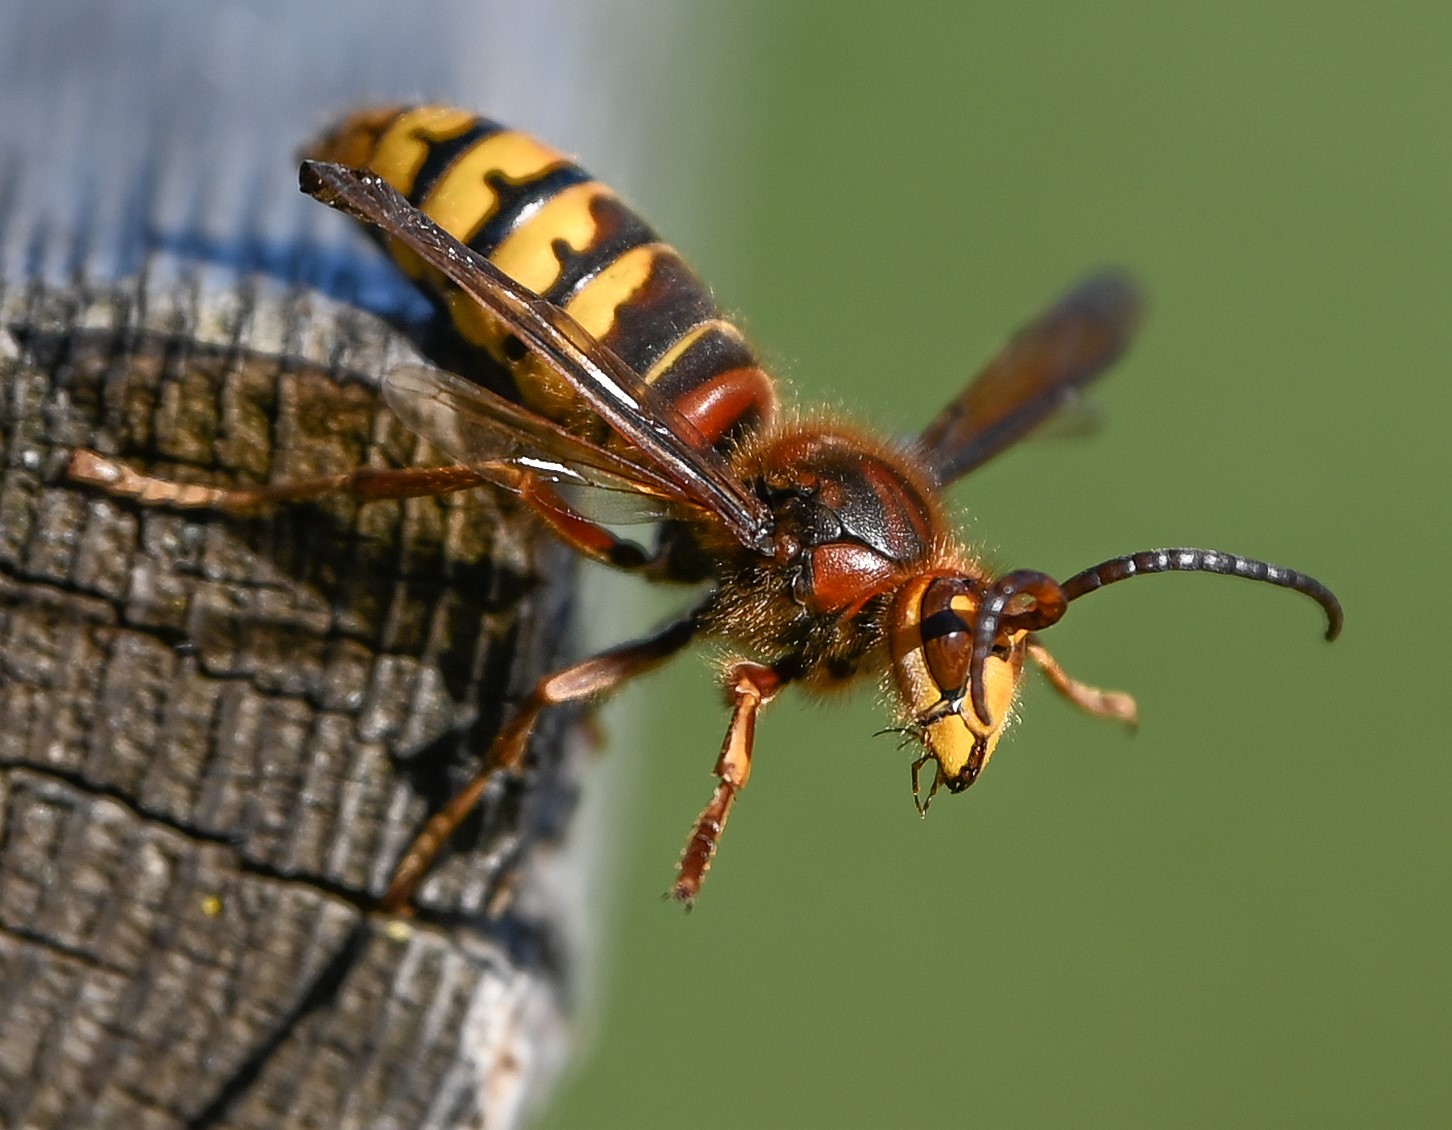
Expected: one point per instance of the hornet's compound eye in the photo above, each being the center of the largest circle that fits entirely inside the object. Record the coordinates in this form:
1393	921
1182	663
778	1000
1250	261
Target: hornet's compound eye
948	608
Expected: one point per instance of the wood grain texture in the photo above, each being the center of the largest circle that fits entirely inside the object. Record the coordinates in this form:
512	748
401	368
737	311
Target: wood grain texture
218	733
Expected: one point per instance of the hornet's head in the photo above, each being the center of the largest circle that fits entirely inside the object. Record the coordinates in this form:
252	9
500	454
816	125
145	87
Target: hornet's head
958	644
931	641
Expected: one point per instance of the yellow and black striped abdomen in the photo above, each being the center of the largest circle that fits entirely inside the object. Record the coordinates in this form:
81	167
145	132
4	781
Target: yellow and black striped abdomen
549	225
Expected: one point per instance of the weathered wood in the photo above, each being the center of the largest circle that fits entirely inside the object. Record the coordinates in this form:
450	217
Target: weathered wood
218	733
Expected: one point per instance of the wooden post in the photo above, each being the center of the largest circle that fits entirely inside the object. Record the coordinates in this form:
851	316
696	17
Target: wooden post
218	733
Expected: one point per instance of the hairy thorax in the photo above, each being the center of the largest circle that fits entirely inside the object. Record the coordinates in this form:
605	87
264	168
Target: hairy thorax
853	521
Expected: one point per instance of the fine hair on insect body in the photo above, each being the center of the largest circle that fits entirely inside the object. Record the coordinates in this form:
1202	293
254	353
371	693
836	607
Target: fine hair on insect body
822	552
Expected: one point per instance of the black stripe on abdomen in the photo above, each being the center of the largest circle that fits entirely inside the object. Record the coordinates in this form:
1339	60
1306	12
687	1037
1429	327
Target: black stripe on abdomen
442	154
670	303
516	201
617	230
716	351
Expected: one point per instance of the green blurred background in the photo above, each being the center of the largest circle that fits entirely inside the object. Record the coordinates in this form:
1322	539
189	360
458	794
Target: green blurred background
1240	915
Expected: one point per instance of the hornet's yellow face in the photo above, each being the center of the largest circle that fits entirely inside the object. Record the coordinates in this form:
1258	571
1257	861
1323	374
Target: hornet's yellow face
930	641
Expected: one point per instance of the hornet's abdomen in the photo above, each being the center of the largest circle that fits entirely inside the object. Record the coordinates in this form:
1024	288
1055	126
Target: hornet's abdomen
550	226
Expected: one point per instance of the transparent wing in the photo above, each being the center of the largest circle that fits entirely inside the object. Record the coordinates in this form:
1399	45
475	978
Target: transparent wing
1077	417
1041	370
480	428
675	449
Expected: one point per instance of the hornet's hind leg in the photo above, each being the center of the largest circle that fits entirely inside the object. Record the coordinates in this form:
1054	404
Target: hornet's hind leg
368	484
590	679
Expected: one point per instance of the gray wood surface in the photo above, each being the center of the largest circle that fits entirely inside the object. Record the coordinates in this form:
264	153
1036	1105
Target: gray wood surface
216	734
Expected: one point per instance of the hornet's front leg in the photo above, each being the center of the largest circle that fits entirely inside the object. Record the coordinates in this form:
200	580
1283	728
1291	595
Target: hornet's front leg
749	686
1114	705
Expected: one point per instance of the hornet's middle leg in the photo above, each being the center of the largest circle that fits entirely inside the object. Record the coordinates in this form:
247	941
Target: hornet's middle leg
750	686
